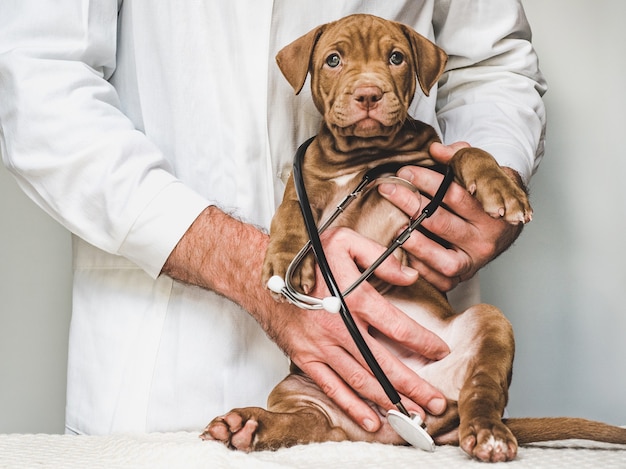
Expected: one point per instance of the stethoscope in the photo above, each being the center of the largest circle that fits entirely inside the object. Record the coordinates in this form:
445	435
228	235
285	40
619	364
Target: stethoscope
408	426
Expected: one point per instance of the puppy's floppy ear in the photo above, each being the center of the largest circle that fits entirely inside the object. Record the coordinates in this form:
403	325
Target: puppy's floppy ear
294	59
430	60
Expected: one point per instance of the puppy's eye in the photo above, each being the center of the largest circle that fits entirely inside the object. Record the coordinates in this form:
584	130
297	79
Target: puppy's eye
396	58
333	60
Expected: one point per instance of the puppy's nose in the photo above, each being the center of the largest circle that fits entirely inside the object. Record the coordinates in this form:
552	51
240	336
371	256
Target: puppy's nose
368	96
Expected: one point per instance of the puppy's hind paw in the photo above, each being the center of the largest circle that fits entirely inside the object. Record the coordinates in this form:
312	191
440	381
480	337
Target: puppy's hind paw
233	430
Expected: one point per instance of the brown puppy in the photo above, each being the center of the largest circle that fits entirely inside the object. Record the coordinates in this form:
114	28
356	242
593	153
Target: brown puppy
363	78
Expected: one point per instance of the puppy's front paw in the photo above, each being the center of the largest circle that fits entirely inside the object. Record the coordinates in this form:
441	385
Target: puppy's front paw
303	278
499	194
275	264
487	440
501	197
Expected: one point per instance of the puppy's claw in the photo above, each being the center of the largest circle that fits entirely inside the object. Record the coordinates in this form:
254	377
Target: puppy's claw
525	217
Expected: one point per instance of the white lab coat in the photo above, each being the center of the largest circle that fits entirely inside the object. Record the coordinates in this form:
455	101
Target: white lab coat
125	125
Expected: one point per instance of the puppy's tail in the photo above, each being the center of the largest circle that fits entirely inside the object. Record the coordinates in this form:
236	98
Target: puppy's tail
533	430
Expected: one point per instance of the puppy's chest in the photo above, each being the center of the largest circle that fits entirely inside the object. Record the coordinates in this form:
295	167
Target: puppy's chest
368	213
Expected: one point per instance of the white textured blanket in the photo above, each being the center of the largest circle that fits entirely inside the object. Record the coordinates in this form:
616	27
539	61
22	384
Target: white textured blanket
186	450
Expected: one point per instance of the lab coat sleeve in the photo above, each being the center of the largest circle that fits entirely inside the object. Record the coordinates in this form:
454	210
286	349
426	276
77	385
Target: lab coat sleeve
71	149
490	93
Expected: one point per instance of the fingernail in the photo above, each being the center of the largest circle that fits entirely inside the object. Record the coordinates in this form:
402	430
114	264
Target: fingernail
409	271
444	353
405	173
369	425
437	406
387	189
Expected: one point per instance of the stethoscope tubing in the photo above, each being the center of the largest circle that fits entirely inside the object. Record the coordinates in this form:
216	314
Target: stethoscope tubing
331	283
337	301
315	245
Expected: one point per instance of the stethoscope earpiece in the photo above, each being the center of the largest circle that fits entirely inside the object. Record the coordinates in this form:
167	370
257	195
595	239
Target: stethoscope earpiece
332	304
276	284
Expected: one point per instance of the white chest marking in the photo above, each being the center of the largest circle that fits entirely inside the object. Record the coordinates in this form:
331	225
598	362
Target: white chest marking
342	181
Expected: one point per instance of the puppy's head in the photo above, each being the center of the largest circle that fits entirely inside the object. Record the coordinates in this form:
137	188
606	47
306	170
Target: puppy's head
364	71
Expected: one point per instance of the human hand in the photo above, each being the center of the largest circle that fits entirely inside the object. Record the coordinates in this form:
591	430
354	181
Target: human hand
325	351
225	255
475	237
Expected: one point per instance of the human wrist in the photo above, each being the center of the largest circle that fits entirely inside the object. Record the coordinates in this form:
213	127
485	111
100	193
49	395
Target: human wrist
216	252
223	254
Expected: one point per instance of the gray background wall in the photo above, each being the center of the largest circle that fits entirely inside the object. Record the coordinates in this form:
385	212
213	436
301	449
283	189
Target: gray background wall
562	284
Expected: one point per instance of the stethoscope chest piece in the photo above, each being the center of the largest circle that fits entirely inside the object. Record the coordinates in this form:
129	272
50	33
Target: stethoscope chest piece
411	430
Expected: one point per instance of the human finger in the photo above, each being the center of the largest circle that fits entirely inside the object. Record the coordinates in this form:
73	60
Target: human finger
348	250
371	311
428	182
442	267
339	369
444	153
353	369
441	262
444	223
418	393
344	395
376	311
371	306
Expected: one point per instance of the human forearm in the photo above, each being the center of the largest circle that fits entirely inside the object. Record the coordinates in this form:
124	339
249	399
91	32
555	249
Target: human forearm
223	254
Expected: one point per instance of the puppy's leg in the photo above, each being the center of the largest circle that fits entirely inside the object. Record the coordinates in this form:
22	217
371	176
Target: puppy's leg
287	236
484	393
295	416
